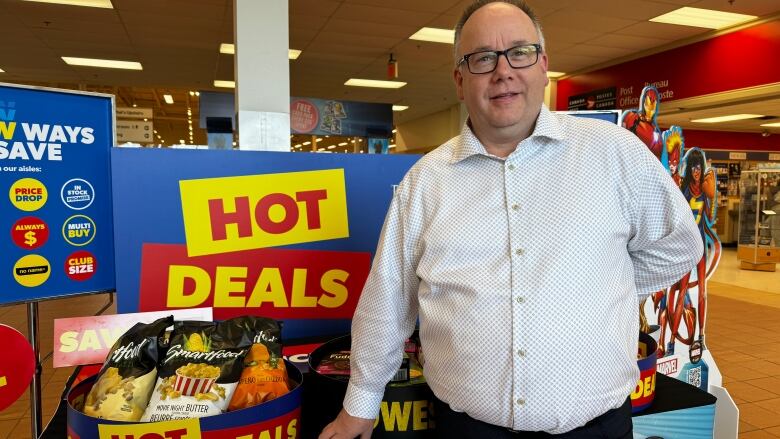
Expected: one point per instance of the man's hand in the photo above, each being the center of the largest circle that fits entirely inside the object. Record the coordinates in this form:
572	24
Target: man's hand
346	426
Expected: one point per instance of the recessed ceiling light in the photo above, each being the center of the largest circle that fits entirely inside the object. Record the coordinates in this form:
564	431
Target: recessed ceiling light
306	143
395	130
707	18
400	107
104	63
434	35
331	146
224	84
319	139
727	118
106	4
551	74
343	144
374	83
168	99
773	124
181	141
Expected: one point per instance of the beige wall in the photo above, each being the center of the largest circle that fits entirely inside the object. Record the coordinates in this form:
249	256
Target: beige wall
428	132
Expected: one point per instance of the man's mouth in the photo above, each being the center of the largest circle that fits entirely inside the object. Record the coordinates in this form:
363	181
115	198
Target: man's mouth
506	95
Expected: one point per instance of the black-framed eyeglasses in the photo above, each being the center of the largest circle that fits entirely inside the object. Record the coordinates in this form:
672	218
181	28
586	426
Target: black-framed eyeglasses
485	61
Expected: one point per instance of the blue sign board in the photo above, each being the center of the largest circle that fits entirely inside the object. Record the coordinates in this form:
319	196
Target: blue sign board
283	235
55	202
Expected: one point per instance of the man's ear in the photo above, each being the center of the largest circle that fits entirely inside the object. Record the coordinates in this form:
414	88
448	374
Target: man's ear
457	76
544	64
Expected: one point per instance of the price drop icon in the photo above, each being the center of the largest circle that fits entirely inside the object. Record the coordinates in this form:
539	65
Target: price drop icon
30	232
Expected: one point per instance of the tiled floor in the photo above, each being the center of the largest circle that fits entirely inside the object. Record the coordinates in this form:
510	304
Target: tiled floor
743	324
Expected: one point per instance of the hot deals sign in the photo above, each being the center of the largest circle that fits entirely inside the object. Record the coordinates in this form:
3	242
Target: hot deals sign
281	235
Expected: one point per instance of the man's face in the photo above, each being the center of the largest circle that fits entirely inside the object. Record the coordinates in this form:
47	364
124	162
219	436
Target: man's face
506	97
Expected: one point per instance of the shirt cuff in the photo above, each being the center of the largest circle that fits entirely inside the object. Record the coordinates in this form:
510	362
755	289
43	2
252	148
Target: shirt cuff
361	403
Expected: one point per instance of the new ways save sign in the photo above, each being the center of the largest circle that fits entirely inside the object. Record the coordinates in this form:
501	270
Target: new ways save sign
284	235
55	193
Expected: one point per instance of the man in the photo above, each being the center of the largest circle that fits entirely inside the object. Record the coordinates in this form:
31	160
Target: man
523	245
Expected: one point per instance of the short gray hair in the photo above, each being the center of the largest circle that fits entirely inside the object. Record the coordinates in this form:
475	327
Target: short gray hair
522	5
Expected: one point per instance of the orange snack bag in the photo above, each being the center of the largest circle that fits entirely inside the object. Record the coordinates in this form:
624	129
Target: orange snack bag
264	376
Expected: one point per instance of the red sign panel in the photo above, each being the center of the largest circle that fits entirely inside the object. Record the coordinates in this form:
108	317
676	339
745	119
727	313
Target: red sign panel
271	282
17	367
697	69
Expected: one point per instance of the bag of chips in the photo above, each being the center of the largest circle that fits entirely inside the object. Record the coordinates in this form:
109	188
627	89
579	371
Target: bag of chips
200	371
264	376
121	391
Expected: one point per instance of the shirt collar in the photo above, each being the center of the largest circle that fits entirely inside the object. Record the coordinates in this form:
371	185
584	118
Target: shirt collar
547	125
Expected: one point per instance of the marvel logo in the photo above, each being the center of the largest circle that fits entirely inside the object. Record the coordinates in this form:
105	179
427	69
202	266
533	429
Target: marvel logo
667	367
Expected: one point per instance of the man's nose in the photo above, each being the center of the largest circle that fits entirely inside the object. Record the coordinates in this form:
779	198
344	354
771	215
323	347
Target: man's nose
502	65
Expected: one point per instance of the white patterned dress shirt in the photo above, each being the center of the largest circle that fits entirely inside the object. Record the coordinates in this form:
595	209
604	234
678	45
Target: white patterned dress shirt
525	272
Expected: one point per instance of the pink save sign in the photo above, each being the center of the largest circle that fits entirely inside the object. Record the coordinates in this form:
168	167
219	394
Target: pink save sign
87	340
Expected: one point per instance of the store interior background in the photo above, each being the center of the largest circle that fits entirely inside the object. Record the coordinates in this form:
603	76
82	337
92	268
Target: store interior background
178	44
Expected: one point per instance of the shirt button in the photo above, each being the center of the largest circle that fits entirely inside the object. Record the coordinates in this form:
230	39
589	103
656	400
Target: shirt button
515	206
520	299
511	167
520	401
519	252
520	353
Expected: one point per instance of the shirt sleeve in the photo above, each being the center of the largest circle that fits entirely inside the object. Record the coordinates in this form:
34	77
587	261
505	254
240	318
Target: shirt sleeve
665	243
385	317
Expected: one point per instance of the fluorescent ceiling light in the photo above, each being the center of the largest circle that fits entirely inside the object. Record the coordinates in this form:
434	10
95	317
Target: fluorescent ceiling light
106	4
306	143
727	118
400	107
224	84
230	49
104	63
434	35
374	83
343	144
773	124
551	74
168	99
331	146
706	18
319	139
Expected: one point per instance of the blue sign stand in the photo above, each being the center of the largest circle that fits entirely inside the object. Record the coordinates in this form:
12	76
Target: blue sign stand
55	201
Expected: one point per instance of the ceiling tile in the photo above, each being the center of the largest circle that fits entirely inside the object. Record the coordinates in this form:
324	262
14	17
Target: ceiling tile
383	15
637	10
661	30
751	7
580	20
633	43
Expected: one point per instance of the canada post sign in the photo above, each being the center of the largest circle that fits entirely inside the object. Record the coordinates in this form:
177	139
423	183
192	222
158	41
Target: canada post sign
286	236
